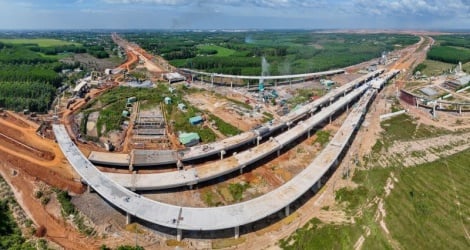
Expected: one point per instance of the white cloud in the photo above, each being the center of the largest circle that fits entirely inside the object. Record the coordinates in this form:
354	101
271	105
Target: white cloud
413	7
258	3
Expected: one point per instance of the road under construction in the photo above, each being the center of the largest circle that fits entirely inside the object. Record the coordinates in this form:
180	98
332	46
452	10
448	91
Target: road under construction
236	215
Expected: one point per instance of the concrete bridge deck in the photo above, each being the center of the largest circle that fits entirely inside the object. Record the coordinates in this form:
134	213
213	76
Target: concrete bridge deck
215	218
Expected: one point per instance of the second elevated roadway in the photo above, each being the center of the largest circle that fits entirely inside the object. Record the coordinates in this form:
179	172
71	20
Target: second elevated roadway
145	158
240	160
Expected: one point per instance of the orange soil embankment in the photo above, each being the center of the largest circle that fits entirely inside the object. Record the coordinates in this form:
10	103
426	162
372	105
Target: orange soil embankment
42	158
56	229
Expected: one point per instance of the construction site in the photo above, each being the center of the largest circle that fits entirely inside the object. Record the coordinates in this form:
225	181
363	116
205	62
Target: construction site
192	157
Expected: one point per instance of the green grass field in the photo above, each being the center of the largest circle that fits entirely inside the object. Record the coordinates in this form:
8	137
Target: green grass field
428	208
221	51
435	68
40	42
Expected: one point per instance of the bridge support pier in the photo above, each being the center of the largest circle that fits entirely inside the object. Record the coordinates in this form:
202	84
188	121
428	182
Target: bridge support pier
89	189
257	140
179	234
330	119
287	210
319	184
278	152
222	153
237	232
128	218
460	109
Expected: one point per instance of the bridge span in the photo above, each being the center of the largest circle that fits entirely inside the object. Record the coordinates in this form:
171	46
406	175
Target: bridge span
215	218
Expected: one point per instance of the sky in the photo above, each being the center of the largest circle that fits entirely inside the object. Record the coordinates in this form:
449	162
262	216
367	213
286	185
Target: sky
235	14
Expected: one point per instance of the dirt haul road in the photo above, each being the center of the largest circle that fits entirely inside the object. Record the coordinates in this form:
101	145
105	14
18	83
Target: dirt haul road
20	146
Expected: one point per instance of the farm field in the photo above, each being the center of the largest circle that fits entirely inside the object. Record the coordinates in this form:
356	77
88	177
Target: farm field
41	42
435	68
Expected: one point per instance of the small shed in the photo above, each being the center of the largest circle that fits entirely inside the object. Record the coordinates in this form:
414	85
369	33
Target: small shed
195	120
131	99
189	139
428	91
125	113
182	106
327	83
167	100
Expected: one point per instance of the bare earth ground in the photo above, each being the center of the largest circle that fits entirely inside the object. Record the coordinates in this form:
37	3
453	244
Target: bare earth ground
222	108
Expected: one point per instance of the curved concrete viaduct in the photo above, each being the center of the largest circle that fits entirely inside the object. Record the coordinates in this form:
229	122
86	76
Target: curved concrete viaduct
215	218
306	75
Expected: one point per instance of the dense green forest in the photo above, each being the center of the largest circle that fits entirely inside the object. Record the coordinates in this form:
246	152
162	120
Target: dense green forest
28	80
10	234
451	49
286	51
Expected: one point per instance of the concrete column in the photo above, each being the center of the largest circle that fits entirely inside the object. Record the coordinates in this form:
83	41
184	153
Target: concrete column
319	184
278	152
231	83
330	119
89	189
460	109
131	167
434	111
179	165
347	107
287	210
222	153
128	218
308	133
258	139
191	187
241	169
179	234
237	232
212	81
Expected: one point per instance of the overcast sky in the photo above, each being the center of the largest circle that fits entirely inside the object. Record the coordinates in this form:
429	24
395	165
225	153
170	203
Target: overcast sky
234	14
